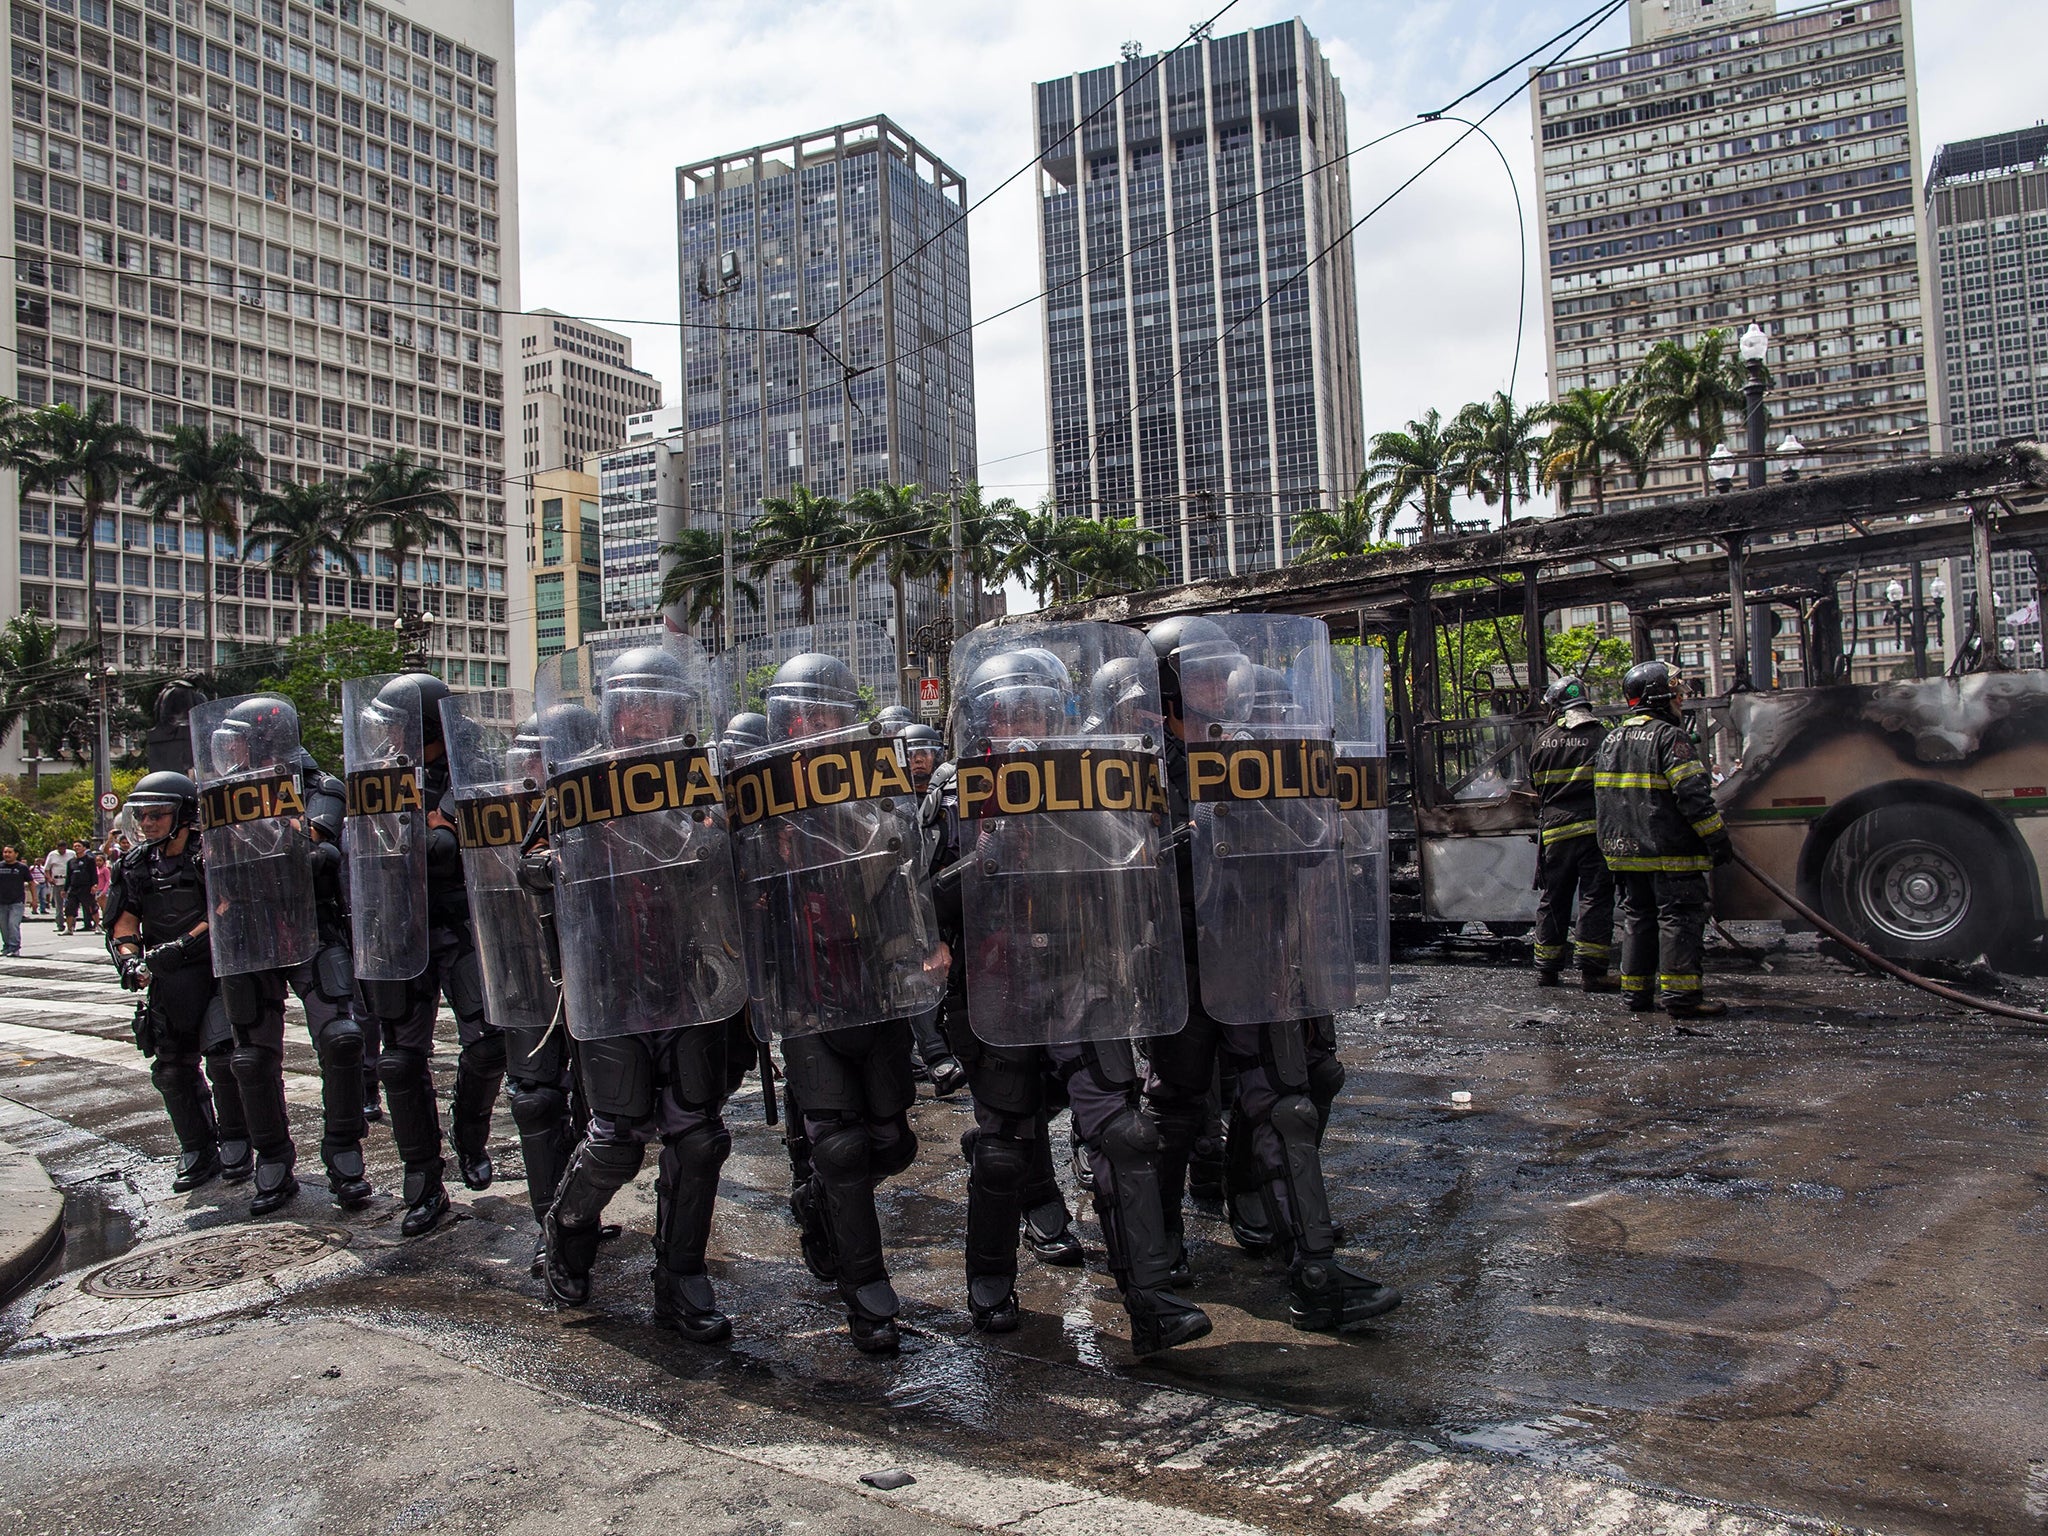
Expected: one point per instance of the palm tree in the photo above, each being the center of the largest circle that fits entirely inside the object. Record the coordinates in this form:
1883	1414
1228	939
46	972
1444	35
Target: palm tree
1420	468
303	525
1109	555
1589	440
804	531
410	501
1497	444
988	531
893	529
43	688
207	478
1036	556
1354	528
89	454
1687	392
695	580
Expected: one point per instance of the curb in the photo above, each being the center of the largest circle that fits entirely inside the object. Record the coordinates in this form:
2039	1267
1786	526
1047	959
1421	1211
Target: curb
31	1218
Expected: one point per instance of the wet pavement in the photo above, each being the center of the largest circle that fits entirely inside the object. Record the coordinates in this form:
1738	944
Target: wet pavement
1788	1263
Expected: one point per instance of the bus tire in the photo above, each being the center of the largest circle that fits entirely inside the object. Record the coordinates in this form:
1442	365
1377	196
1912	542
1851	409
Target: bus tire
1919	883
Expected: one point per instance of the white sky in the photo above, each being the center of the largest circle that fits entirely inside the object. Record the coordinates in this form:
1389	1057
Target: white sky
614	94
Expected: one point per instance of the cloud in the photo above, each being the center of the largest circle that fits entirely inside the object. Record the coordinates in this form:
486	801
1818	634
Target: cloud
614	95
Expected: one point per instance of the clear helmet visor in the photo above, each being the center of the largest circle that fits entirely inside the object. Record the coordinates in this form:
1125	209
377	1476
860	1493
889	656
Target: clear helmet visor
639	717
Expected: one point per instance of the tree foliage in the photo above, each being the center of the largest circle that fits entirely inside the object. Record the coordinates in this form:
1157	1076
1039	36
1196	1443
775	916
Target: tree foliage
311	677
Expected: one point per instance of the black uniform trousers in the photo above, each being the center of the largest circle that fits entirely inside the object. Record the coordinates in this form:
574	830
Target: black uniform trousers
547	1107
193	1067
1663	935
406	1012
1573	867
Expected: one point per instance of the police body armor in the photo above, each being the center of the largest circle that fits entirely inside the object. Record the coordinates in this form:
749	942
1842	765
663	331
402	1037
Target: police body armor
840	930
385	835
263	913
1273	935
1069	900
1359	681
644	902
497	784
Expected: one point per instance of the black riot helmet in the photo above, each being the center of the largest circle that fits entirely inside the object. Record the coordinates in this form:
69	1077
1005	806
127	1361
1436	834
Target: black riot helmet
745	732
1649	684
567	731
647	696
165	790
415	691
811	695
1268	695
326	804
1018	696
525	760
260	732
1567	696
1200	669
1120	702
893	717
923	750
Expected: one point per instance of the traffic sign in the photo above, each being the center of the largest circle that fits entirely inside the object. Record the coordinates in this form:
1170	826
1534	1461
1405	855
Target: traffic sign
110	802
931	697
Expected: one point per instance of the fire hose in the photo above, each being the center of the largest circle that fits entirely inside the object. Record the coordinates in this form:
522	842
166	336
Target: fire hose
1871	957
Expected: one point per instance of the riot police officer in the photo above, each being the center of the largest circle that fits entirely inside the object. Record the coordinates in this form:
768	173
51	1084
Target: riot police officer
1259	878
406	1006
652	983
1568	860
156	933
281	923
1064	923
923	750
1660	832
843	950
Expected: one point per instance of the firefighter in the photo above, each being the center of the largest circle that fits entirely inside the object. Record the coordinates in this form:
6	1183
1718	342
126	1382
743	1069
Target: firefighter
1569	863
1660	833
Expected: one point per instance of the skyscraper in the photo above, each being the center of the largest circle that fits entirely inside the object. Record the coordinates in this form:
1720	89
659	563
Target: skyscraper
825	344
1761	171
1202	368
1988	202
295	221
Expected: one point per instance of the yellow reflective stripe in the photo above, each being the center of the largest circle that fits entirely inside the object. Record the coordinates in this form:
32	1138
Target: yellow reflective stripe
1676	983
1679	772
1707	826
1678	864
1593	951
1548	951
1569	830
1618	780
1545	777
1634	983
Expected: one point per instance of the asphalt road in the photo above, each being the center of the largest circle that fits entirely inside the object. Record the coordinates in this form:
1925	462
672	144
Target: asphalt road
1779	1270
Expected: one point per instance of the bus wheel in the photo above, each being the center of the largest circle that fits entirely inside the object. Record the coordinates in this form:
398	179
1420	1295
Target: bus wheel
1919	883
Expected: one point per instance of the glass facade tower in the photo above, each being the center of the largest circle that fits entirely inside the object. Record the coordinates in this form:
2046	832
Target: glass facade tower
1202	362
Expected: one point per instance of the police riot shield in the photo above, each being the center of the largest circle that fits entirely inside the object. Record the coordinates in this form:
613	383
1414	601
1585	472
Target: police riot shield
1358	678
499	783
385	835
840	930
1273	937
1069	901
644	906
259	874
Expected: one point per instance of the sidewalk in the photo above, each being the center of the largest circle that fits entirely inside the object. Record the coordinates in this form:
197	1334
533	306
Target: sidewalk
31	1217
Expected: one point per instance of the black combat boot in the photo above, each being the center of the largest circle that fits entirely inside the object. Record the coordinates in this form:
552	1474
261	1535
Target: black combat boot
571	1254
347	1179
237	1161
1049	1233
1696	1008
1325	1295
276	1187
992	1302
687	1304
871	1316
1160	1320
426	1198
196	1167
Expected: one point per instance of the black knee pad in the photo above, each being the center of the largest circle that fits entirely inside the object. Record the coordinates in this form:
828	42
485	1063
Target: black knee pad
250	1058
1294	1120
1325	1082
1131	1137
402	1064
1002	1164
537	1108
840	1156
892	1157
340	1044
486	1054
619	1159
701	1149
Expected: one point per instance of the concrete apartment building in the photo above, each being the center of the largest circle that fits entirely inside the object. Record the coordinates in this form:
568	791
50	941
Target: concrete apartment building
578	390
857	230
296	221
1194	380
1760	170
640	488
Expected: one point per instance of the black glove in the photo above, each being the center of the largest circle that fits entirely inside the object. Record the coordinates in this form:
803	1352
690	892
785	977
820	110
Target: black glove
1721	849
178	953
134	972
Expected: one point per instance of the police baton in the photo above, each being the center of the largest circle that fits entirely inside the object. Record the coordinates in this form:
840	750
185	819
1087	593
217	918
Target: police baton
769	1112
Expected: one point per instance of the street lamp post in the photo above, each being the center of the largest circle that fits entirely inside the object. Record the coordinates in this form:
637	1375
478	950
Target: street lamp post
1753	347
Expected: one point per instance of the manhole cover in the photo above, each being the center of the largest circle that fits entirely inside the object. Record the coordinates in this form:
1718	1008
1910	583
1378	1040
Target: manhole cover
214	1260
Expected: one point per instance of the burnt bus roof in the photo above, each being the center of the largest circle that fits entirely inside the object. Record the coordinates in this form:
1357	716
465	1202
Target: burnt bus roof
1800	534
